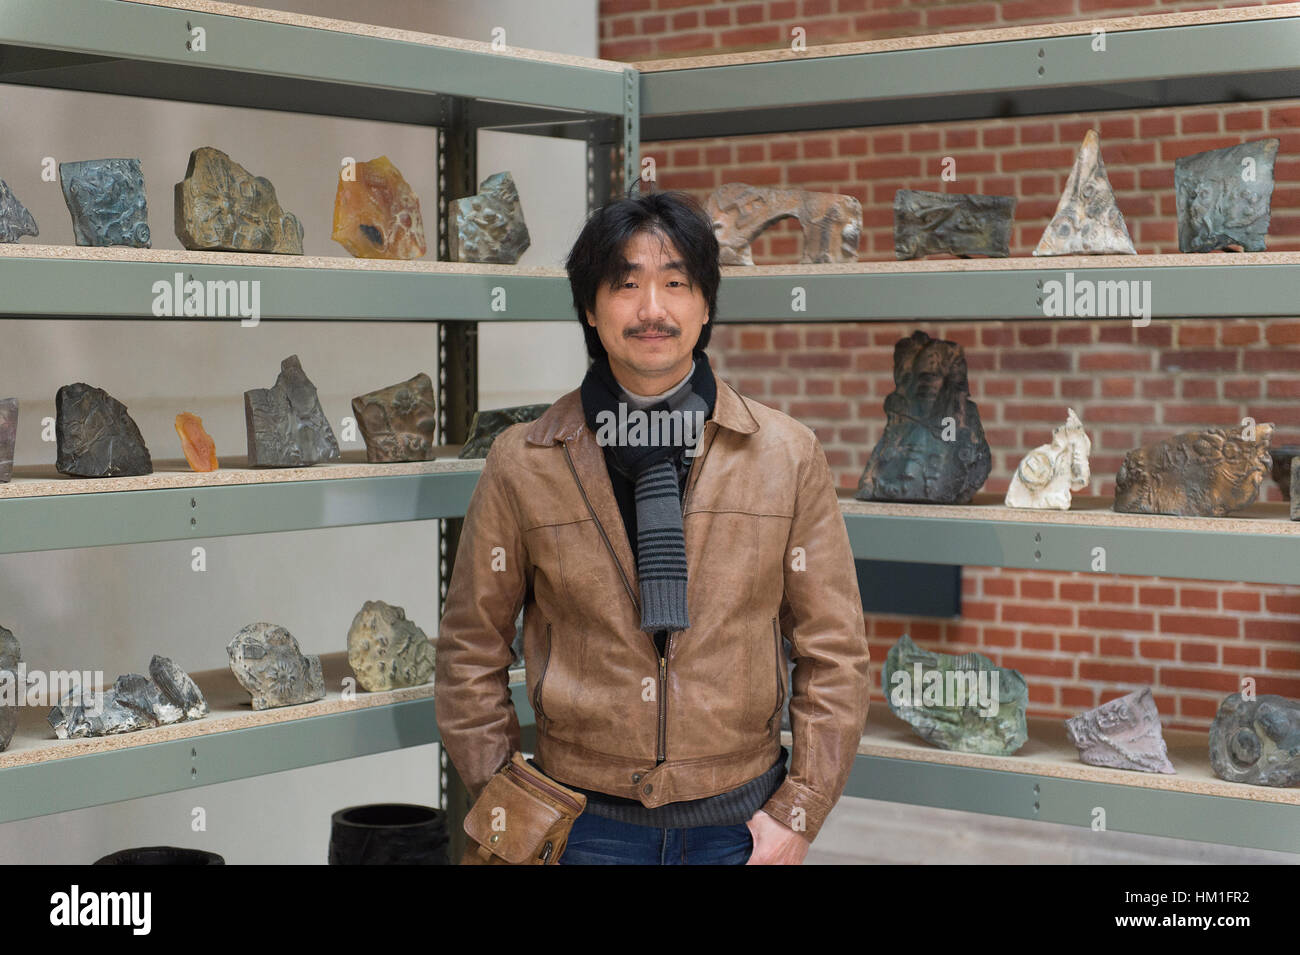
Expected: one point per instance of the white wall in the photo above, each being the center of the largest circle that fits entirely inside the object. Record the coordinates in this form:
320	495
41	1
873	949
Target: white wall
111	608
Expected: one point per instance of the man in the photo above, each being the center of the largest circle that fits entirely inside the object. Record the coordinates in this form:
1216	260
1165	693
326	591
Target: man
659	569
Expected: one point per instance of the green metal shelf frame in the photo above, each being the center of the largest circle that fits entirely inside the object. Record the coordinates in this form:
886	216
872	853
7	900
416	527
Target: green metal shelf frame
96	519
1140	68
1133	551
77	782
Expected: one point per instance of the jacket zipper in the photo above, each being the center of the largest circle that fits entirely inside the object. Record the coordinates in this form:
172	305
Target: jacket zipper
537	690
780	676
527	780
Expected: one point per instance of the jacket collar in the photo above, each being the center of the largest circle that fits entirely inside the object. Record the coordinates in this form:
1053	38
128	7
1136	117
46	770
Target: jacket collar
564	419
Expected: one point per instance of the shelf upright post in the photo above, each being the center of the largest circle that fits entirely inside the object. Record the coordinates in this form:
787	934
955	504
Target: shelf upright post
457	395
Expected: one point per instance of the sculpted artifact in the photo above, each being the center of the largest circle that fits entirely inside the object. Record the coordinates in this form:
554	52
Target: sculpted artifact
107	201
831	224
377	214
220	205
1122	734
398	422
933	449
960	223
490	226
15	220
1046	475
1087	219
1223	197
1206	473
1257	741
95	436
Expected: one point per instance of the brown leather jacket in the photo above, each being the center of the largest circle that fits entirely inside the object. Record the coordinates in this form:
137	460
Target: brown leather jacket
767	554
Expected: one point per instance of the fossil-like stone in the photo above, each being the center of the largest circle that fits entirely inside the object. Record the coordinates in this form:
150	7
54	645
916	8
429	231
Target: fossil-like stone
490	225
831	223
1223	197
385	650
1257	741
1206	473
15	220
933	449
95	435
487	425
11	652
268	663
220	205
1282	455
1087	219
963	224
196	444
377	214
1122	734
8	436
107	201
135	702
398	422
1295	489
286	425
178	686
1046	475
964	702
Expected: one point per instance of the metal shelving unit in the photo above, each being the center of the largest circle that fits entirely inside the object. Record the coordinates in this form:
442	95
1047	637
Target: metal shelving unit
136	47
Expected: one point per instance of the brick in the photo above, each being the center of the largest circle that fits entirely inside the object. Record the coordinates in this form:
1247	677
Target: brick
1115	593
1037	589
1077	592
1156	596
998	587
1037	614
1282	659
998	637
1157	650
1035	640
1039	666
1199	679
1240	656
1077	642
1241	601
1199	652
1282	603
1115	672
1183	360
1200	624
1116	619
1198	597
1115	647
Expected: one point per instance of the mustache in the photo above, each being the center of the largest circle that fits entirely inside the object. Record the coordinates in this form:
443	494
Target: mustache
651	329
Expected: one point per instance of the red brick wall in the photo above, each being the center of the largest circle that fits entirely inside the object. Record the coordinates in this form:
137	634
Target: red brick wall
1079	639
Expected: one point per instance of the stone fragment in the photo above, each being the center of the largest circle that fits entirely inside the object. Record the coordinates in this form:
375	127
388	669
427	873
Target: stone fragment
135	702
488	425
286	424
8	436
267	662
965	702
1046	475
1122	734
196	444
831	224
398	422
10	655
107	201
178	686
95	435
385	650
377	214
490	225
15	220
963	224
1282	456
1257	741
1206	473
1087	219
220	205
933	448
1223	197
1295	489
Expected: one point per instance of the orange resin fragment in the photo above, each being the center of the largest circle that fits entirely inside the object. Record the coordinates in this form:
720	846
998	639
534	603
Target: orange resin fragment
200	450
377	215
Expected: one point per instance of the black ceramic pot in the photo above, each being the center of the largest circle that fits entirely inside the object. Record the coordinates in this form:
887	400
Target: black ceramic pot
388	834
161	855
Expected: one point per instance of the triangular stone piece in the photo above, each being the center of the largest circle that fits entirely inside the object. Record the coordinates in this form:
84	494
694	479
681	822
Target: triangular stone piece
1087	220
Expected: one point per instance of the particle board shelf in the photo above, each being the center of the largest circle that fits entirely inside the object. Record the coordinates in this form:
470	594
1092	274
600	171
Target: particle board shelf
1046	781
268	59
1259	544
41	509
1157	60
41	774
76	282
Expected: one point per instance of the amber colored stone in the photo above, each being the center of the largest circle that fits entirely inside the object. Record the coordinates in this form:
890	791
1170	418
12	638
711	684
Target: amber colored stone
377	215
200	450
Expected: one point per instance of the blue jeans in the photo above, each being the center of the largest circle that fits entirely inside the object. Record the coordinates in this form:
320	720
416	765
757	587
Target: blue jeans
595	840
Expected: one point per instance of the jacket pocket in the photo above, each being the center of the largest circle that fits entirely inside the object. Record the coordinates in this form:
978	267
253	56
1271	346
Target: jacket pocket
780	674
538	710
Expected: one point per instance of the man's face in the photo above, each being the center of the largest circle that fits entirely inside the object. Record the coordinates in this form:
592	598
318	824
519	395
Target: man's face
649	323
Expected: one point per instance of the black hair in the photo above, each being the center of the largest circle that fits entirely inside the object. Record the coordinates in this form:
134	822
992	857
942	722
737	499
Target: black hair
597	255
